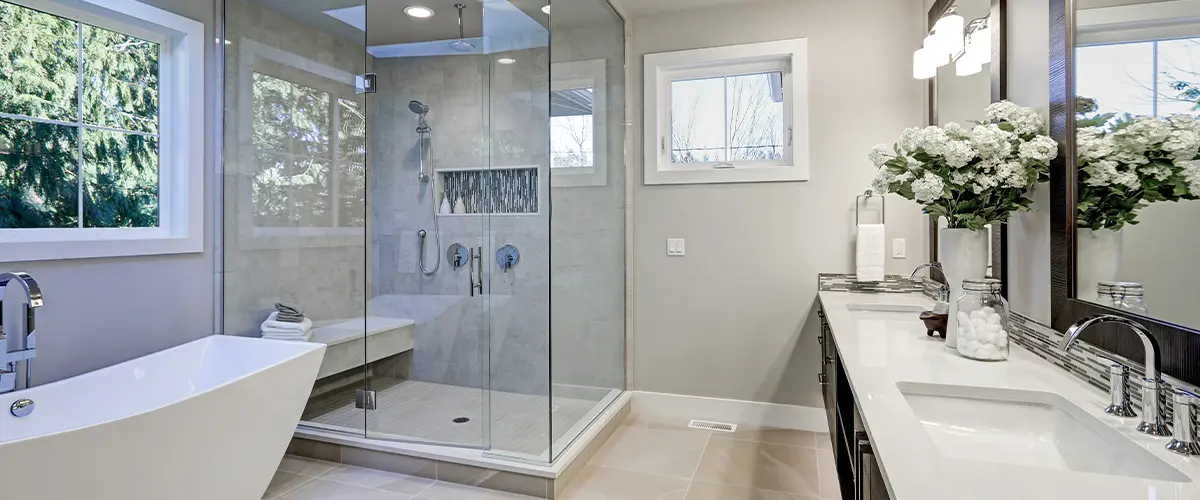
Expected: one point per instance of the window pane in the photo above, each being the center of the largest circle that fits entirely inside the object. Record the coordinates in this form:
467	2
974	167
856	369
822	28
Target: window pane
121	80
1119	77
755	117
291	192
39	185
572	128
120	179
1179	76
698	120
291	118
352	154
39	64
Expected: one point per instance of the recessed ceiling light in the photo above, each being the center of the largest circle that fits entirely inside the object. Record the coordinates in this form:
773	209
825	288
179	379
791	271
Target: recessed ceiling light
506	60
546	9
418	11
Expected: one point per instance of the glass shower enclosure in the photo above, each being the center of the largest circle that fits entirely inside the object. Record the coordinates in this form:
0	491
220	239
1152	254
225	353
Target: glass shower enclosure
440	187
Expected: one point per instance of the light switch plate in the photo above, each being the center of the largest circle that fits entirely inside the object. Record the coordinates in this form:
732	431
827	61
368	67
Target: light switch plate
899	250
675	247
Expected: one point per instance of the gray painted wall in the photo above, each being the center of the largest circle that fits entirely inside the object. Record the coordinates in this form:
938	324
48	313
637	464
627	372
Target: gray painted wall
100	312
736	317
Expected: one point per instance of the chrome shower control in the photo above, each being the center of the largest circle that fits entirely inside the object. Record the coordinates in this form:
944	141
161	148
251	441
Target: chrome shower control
1184	441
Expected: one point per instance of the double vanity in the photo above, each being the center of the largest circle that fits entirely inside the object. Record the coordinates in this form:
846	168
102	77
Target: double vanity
911	419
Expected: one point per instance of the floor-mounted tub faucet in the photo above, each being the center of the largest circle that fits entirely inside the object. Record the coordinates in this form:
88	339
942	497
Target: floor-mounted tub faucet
16	342
1152	423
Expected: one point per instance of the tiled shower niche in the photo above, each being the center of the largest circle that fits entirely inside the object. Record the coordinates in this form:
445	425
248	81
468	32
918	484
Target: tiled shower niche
493	191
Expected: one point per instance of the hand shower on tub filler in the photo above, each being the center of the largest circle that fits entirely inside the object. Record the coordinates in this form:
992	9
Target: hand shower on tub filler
425	174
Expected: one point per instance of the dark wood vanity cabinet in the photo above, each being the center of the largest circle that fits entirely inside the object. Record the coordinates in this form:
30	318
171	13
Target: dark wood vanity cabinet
859	474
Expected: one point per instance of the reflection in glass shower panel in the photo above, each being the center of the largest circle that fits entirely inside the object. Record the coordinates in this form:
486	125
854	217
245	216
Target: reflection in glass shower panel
1178	76
572	134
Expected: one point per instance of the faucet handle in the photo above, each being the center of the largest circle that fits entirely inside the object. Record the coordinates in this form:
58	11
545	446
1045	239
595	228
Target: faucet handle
1120	404
1184	438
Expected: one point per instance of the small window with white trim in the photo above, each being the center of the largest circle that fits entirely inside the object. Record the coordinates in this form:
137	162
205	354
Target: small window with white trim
101	130
727	114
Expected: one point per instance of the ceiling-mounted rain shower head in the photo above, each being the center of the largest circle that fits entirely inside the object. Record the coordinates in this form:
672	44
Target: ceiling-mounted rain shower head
461	45
418	107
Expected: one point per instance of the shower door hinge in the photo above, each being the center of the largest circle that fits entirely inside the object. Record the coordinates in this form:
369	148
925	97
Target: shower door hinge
365	83
364	399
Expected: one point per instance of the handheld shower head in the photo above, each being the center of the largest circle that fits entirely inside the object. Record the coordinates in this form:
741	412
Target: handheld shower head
418	107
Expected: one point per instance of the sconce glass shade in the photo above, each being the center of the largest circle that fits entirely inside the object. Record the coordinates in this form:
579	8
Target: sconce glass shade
923	66
936	54
967	65
981	45
950	30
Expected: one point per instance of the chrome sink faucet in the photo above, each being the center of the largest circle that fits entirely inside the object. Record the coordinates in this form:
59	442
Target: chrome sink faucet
1152	423
938	277
18	349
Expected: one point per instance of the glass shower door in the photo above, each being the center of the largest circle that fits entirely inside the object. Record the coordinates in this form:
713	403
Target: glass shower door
427	338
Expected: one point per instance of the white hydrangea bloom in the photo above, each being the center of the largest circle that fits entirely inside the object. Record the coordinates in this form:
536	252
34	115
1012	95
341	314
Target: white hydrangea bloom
879	155
883	179
1093	144
990	142
1012	174
1025	121
1182	144
928	188
1191	172
1041	149
908	140
1108	173
1156	170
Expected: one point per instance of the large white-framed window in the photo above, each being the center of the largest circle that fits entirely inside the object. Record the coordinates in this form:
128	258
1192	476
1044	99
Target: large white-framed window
737	113
302	151
101	130
579	124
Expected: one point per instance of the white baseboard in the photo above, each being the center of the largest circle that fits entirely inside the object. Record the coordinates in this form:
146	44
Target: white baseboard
729	410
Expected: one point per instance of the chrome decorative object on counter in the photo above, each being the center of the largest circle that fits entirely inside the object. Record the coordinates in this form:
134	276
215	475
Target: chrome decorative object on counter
1184	441
1152	423
982	325
18	347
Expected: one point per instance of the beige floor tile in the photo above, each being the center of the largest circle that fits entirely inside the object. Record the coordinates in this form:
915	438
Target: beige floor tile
305	466
669	453
824	442
451	491
320	489
377	479
284	482
790	437
829	478
701	490
766	466
602	483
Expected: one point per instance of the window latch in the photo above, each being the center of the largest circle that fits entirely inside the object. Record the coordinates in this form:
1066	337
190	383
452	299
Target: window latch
791	136
723	164
663	144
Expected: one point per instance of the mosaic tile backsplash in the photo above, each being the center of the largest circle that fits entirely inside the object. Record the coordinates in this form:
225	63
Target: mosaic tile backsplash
509	191
832	282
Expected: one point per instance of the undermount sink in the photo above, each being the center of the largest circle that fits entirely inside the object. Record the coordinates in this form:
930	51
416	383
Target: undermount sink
899	308
1028	428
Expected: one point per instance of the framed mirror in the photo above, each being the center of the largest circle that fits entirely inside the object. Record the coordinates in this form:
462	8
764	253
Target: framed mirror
960	93
1125	107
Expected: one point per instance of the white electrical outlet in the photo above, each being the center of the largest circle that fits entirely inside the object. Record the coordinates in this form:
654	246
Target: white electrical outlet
898	249
675	247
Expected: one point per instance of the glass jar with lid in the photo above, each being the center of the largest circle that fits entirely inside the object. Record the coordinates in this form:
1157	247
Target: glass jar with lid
983	324
1104	294
1130	296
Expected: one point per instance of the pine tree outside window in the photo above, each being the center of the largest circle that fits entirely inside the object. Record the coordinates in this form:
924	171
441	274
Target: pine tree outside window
101	130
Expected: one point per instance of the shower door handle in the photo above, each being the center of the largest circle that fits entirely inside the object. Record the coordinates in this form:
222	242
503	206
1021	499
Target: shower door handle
476	257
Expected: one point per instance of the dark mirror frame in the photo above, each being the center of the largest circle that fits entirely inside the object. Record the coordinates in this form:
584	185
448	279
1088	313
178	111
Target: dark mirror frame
999	69
1180	345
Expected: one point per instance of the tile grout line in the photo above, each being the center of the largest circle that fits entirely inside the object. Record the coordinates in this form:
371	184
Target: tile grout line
307	479
692	480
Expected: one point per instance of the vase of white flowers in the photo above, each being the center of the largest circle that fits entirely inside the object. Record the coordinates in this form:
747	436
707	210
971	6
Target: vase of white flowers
1098	258
972	177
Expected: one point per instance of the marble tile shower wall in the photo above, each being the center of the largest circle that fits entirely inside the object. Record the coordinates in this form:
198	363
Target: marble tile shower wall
325	275
458	348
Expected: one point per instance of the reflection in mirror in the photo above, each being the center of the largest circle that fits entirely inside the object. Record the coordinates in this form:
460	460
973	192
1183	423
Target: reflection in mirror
1137	74
964	91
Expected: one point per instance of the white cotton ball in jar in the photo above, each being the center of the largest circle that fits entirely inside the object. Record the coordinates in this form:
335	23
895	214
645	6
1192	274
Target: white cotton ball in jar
994	319
974	345
1003	340
978	314
989	310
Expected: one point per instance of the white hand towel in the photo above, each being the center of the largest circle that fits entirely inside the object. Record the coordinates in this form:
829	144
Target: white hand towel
870	255
275	326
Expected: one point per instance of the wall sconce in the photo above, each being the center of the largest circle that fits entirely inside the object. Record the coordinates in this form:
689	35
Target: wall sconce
967	45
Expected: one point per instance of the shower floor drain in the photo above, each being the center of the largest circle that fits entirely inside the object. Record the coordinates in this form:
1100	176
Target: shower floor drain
461	420
712	426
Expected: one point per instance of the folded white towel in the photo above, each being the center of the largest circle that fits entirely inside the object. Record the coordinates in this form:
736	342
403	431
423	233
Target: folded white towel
870	252
283	327
299	338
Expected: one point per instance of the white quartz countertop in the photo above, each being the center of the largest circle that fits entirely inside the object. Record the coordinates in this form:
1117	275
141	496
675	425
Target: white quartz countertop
878	353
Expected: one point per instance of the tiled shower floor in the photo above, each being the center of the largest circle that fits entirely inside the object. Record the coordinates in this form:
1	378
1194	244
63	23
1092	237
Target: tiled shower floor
424	411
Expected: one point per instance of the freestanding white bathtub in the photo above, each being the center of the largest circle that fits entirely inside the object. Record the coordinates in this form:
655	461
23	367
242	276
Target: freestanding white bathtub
206	420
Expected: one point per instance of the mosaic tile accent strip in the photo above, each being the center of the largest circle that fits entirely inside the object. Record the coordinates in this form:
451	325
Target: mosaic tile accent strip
507	191
1089	363
833	282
